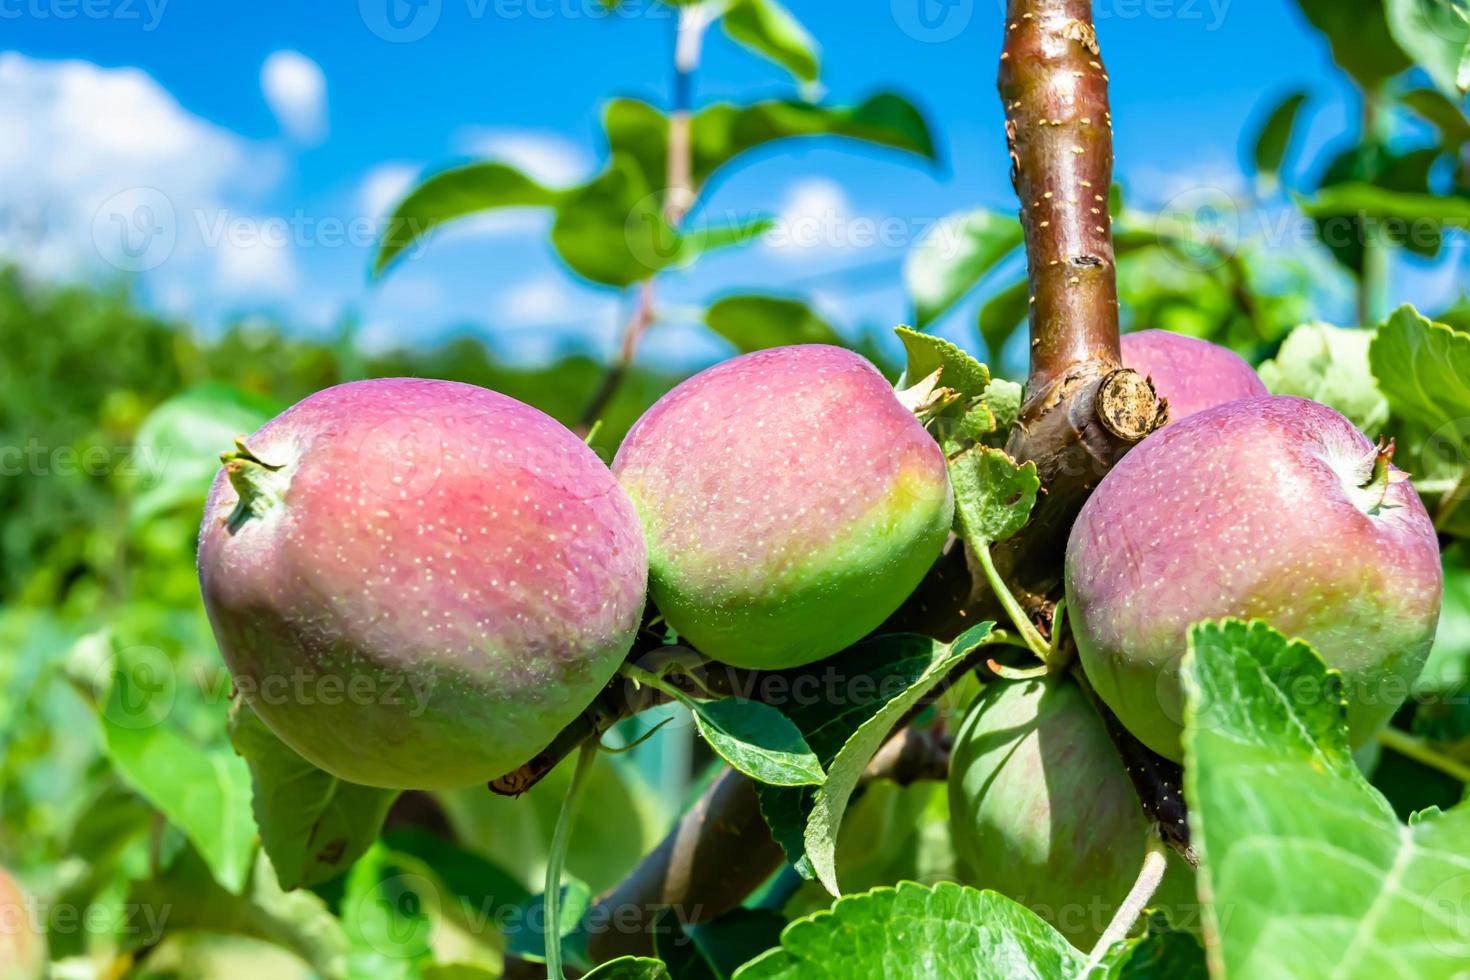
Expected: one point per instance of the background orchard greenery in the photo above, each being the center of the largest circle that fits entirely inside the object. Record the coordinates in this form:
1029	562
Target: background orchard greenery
124	782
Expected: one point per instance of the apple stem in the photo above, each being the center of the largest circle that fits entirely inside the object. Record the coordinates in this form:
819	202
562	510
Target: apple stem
1155	863
560	838
259	485
1024	627
1414	748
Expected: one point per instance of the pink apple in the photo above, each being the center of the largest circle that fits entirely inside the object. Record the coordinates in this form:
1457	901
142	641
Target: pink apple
1192	374
419	583
1273	508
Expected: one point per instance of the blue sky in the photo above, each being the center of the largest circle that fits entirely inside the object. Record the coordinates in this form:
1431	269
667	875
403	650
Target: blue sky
264	126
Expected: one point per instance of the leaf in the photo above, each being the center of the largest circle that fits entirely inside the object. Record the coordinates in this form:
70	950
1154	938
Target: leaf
759	741
920	932
753	322
179	443
859	681
1274	140
1359	36
842	778
1423	369
205	792
611	230
697	243
769	29
454	194
1004	399
629	968
958	370
1161	954
716	949
526	930
312	824
1434	33
953	256
1294	841
1329	365
193	901
1002	314
719	133
1444	114
1383	204
993	496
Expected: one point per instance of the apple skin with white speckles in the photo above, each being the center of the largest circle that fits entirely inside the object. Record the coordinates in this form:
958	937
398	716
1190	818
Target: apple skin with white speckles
1256	509
1042	810
1192	374
441	578
791	504
22	939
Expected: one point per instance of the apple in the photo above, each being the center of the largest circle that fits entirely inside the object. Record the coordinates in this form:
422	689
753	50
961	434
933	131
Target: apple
1273	508
1191	374
22	939
1042	810
418	584
791	504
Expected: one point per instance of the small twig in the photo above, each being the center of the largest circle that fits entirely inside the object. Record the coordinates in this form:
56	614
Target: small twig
560	838
642	318
1155	863
1158	782
1022	622
1417	749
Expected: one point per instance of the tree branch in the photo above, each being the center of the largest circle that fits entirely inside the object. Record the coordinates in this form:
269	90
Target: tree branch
1082	409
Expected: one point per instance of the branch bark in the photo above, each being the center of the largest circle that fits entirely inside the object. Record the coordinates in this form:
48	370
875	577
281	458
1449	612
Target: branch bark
1083	410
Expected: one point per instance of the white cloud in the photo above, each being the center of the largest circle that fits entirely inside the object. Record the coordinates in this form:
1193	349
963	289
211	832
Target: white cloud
545	156
296	91
384	186
816	215
542	300
250	268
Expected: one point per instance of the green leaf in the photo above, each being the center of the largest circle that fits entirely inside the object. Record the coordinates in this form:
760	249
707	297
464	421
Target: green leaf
1002	314
1372	201
527	933
295	921
1435	34
953	256
759	741
205	792
769	29
1423	369
1004	399
1329	365
696	243
1359	36
629	968
1444	114
454	194
312	824
1161	954
993	496
179	443
919	932
862	679
715	950
927	353
611	230
719	133
1274	140
1294	841
753	322
842	778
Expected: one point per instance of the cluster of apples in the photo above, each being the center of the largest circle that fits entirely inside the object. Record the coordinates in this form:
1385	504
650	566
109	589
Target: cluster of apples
1245	505
418	584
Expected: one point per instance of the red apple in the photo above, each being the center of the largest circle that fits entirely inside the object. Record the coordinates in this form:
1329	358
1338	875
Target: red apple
1273	508
791	504
419	583
1192	374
